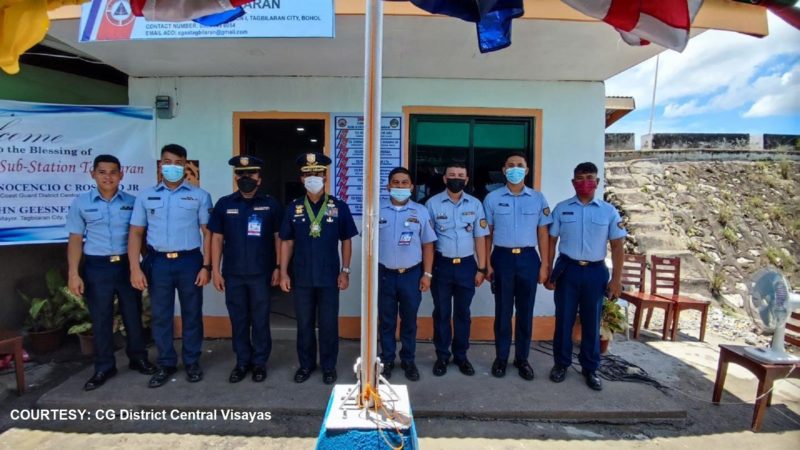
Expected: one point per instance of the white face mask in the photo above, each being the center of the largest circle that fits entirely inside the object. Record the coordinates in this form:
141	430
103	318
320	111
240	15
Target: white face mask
314	184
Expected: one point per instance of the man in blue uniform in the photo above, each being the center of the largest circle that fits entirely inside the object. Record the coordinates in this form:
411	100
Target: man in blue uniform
580	278
405	264
312	228
102	215
175	214
244	227
518	219
461	227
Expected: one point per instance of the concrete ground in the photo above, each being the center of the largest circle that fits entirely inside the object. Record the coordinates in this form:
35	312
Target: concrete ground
446	416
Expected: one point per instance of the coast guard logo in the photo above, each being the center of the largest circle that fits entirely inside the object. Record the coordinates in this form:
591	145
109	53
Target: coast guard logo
119	13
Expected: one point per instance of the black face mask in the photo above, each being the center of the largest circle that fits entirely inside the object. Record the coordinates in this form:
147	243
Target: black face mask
455	185
246	184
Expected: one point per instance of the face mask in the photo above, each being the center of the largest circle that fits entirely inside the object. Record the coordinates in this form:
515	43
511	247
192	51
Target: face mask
171	172
313	184
515	175
246	184
400	194
585	188
455	185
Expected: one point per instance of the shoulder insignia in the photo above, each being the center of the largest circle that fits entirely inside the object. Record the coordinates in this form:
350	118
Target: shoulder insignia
547	211
483	223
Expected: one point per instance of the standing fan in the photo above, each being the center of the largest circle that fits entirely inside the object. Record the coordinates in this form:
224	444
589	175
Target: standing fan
769	306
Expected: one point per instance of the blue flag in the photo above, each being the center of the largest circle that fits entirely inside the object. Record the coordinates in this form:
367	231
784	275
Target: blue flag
492	18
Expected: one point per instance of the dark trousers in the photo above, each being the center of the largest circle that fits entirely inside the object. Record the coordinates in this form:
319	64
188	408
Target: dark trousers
399	292
579	289
247	299
452	288
102	280
314	305
164	276
515	280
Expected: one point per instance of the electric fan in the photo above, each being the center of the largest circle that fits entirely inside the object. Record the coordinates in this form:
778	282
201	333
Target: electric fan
769	305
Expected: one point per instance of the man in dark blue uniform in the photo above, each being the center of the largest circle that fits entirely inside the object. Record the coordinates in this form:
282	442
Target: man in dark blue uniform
175	214
580	278
244	227
312	228
102	215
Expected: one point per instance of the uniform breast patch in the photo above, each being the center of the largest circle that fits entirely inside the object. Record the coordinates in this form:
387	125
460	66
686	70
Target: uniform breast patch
567	213
126	208
154	198
232	211
261	208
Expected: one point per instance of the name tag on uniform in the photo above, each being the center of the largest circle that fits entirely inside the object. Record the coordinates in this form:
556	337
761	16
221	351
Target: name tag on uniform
254	226
405	238
232	211
261	208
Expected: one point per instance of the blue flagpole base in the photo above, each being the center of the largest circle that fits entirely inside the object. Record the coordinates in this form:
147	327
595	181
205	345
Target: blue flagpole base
347	427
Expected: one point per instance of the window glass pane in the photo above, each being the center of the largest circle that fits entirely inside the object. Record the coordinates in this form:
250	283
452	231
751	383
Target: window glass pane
509	136
443	134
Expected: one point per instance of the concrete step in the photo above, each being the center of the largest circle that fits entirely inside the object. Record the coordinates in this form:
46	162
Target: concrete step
621	181
616	169
631	195
647	226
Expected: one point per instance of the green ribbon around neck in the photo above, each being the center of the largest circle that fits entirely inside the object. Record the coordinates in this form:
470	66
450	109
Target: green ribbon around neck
316	229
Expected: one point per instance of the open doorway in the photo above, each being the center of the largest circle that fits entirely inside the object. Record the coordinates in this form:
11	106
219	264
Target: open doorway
278	139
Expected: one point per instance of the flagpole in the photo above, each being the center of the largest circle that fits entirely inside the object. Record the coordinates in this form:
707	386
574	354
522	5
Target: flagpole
653	103
373	61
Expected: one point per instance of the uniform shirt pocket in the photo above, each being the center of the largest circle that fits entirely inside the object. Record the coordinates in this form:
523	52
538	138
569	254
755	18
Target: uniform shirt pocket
503	216
187	204
125	214
91	216
154	206
600	220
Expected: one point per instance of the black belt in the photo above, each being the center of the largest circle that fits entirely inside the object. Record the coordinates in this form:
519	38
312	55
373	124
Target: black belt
115	259
175	254
515	250
581	263
452	260
401	271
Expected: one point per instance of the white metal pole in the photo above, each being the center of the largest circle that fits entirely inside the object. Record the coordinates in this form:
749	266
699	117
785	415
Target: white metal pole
653	103
373	59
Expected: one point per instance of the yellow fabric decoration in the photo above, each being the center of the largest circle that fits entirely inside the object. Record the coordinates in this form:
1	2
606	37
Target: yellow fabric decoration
23	24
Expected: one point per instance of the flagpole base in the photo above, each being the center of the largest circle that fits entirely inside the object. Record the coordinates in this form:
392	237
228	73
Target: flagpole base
347	426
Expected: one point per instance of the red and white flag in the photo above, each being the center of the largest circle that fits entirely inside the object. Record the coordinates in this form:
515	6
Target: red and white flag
639	22
182	10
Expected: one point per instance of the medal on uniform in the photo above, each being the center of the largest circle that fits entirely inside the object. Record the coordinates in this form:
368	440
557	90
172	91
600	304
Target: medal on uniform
316	229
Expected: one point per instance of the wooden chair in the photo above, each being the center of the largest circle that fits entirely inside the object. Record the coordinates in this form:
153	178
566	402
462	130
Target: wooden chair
665	274
767	374
11	342
633	275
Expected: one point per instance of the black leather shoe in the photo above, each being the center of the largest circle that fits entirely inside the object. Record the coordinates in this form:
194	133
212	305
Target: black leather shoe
161	376
329	376
387	370
558	373
410	369
592	380
302	374
499	368
143	366
525	369
238	373
194	373
440	367
465	367
259	374
98	379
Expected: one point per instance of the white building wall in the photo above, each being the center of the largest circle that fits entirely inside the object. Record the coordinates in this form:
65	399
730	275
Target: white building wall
572	125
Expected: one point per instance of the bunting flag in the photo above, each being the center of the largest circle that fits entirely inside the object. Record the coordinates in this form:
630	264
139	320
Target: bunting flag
639	22
492	18
205	12
785	9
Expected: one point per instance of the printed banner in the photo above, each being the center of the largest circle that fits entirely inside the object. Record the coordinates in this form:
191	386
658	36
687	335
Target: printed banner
46	156
348	132
113	20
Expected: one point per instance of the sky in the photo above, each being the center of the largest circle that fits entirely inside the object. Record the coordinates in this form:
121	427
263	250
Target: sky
723	82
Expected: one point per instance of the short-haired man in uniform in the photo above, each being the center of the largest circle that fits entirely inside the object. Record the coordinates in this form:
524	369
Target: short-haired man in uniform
405	264
312	228
244	227
175	214
582	226
102	215
461	227
518	219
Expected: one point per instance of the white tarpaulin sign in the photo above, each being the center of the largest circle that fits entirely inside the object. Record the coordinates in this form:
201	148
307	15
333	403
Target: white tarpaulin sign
46	155
113	20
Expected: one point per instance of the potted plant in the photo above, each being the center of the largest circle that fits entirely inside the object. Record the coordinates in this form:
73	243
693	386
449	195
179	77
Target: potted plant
612	320
47	315
81	321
